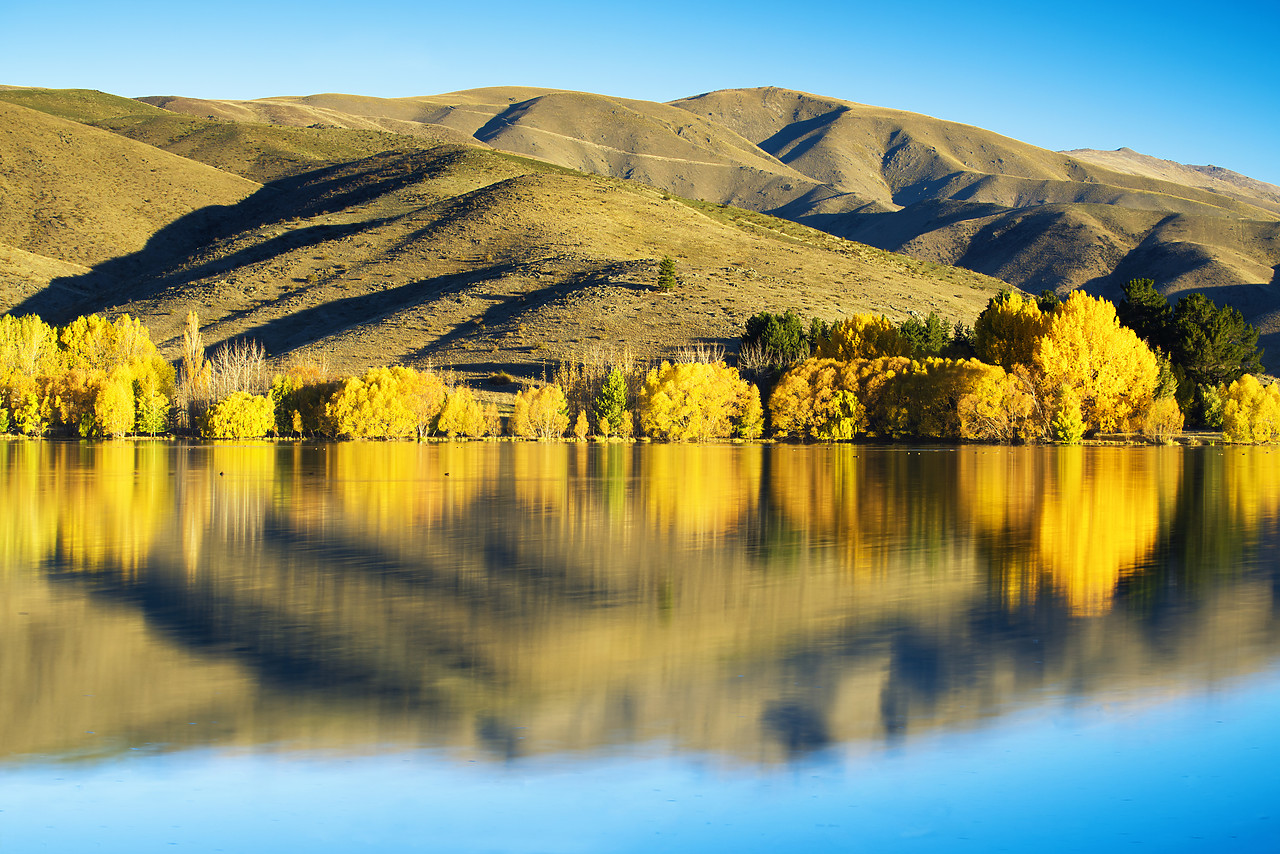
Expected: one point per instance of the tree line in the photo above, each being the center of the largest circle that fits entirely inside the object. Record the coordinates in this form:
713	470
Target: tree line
1029	370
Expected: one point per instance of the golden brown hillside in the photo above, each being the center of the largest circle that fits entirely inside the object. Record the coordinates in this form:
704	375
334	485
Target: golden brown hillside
465	257
78	195
936	190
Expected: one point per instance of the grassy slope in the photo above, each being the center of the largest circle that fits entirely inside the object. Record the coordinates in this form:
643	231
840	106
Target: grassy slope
78	196
958	194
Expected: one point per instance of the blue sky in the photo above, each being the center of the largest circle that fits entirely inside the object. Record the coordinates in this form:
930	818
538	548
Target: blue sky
1183	81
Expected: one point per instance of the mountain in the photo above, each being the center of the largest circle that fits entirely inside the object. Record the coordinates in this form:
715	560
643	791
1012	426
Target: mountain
934	190
939	192
431	253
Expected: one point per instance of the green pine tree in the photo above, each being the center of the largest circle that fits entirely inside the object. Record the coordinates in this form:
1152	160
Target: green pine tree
611	404
667	274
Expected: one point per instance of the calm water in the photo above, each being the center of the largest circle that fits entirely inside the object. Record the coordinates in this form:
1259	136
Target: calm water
552	648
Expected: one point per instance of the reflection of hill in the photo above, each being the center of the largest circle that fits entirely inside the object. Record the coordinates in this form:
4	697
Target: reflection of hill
757	601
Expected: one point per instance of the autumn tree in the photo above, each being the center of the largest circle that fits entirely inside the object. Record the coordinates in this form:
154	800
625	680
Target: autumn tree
1103	365
540	413
695	401
1007	331
240	415
1251	411
387	403
462	415
863	336
818	399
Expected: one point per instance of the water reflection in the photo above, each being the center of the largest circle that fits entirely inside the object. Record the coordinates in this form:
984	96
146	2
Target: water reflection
756	601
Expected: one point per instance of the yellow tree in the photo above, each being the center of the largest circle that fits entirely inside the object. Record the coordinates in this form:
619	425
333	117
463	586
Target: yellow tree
864	336
1007	331
462	415
1252	411
1106	366
693	401
387	403
818	399
540	413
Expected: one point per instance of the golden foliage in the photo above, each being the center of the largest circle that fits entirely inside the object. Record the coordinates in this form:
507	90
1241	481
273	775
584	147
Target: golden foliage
462	415
387	403
1251	412
818	398
239	416
1163	420
898	397
695	401
540	413
1000	406
1006	333
864	336
1106	365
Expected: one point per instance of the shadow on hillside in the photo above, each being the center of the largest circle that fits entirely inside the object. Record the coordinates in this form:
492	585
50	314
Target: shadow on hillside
166	260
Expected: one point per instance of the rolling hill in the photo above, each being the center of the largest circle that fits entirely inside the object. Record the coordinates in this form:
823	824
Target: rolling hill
939	192
457	256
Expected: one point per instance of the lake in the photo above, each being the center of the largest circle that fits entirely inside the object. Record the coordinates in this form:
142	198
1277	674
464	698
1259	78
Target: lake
502	647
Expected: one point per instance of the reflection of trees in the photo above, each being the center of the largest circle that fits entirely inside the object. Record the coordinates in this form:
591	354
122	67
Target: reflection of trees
875	510
1070	520
595	593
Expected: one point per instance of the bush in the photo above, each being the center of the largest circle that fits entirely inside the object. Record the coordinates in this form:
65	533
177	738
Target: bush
693	401
239	416
540	413
387	403
1251	411
1163	420
462	415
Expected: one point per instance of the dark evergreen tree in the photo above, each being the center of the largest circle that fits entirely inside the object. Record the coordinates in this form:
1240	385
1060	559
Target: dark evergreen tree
929	337
781	337
1146	311
1048	300
1213	345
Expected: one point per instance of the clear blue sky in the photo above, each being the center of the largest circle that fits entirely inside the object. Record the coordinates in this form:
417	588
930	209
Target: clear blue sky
1192	82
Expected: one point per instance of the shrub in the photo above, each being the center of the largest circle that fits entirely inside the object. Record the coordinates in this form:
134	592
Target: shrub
581	427
239	416
462	415
1251	411
387	403
1068	424
540	413
693	401
152	407
1163	420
